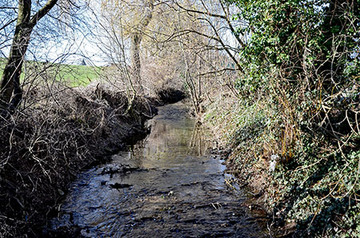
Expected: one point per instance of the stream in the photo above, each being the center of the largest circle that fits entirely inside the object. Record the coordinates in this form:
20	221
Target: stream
168	185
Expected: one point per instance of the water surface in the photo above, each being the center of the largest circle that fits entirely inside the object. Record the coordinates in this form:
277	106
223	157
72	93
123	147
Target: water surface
169	185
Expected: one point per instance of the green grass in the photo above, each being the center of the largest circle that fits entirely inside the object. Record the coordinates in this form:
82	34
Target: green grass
71	75
77	75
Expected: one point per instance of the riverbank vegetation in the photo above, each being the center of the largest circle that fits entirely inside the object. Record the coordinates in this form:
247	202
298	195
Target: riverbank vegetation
294	128
47	144
278	82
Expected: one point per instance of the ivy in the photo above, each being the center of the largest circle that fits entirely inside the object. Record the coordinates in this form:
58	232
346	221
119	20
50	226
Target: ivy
303	58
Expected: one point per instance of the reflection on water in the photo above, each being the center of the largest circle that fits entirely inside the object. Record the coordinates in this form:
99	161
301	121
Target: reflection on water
167	186
174	136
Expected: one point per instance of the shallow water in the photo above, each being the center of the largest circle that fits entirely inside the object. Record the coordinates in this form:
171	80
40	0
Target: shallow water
167	186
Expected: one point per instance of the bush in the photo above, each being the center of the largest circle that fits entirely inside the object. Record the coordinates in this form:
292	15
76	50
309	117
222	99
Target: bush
300	103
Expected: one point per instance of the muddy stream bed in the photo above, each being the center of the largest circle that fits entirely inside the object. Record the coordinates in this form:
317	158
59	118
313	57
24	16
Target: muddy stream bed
168	185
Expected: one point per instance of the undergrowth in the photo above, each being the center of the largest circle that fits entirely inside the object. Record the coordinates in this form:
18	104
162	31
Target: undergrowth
44	146
314	188
294	126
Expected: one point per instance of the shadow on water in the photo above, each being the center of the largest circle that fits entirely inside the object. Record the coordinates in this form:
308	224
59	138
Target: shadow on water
167	186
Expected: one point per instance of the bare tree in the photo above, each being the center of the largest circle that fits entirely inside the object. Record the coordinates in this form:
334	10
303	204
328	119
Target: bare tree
130	19
216	19
11	92
179	44
136	38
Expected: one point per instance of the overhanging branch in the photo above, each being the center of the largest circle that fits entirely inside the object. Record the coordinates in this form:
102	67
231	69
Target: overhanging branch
43	11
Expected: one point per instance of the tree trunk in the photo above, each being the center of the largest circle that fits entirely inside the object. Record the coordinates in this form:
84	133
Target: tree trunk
136	63
136	43
10	82
10	89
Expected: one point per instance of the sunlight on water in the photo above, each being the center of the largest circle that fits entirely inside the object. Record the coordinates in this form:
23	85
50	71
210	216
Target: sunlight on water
155	186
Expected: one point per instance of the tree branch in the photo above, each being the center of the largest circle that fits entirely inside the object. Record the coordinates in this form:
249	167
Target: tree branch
7	24
10	8
216	72
43	11
223	45
201	12
224	17
231	26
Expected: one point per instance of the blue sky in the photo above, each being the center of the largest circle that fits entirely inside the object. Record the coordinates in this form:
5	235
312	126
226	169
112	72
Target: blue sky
53	39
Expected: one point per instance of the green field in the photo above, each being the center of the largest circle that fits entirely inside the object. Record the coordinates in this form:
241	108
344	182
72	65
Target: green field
77	75
71	75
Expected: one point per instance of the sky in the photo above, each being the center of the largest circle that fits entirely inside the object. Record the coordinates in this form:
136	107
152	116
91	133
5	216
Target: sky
53	41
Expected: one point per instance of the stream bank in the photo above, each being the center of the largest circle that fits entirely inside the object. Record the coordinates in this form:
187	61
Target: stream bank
43	147
169	185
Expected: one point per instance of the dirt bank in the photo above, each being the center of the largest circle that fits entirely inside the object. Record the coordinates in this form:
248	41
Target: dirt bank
46	144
